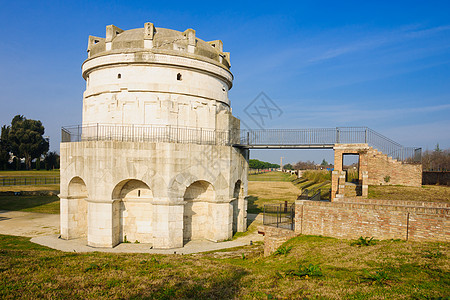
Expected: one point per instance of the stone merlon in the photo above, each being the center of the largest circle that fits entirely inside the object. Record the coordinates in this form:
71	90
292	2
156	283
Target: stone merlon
158	40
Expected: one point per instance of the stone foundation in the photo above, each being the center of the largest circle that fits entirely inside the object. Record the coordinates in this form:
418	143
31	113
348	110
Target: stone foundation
164	194
275	237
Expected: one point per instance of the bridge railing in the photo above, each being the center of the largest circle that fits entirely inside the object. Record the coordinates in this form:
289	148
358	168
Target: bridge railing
316	136
330	136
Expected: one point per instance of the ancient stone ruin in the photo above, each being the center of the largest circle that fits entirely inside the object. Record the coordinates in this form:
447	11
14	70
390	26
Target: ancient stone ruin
153	160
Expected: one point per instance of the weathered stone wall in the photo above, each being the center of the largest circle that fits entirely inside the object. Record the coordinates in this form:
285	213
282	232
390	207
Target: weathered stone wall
155	193
275	237
441	178
382	220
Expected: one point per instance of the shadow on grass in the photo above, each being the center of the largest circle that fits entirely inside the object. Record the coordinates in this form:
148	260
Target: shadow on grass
224	286
44	204
252	207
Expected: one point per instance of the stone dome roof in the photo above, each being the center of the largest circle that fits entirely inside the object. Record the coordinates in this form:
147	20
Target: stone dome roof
164	40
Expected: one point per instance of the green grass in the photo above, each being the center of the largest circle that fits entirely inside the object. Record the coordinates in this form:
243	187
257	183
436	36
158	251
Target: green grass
261	193
433	193
40	204
29	188
313	180
270	176
317	175
29	173
314	268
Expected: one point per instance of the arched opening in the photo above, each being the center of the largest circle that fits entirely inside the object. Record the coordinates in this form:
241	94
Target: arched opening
196	217
77	192
238	197
179	77
134	211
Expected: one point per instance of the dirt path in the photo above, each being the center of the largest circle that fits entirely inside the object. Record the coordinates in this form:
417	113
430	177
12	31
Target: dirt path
44	230
28	224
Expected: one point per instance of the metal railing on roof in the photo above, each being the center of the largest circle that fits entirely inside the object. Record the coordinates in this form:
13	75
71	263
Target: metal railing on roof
145	133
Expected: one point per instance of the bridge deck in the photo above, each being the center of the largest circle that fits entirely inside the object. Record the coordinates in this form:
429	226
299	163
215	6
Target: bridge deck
275	146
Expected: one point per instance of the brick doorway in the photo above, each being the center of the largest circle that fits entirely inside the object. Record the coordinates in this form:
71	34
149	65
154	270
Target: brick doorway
351	167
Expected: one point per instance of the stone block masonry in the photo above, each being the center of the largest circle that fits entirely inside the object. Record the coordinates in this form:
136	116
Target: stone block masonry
404	220
151	163
275	237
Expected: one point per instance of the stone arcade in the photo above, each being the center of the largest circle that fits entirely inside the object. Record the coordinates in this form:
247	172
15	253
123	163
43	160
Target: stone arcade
152	161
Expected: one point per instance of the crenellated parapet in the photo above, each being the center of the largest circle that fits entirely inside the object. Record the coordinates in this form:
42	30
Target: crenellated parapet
158	40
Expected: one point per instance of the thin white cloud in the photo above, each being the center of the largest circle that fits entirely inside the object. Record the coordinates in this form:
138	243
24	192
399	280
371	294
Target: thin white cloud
339	114
301	54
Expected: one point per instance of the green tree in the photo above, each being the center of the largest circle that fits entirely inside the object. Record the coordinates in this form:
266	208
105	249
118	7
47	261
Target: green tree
26	139
324	163
287	167
51	160
437	149
257	164
4	148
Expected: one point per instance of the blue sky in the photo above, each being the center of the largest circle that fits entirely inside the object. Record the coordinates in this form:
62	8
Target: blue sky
380	64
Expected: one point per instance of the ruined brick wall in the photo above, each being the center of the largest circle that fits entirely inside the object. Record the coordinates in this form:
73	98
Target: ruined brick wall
380	165
381	221
274	237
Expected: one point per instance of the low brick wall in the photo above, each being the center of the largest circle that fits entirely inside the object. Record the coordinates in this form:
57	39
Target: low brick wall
275	237
350	220
394	202
441	178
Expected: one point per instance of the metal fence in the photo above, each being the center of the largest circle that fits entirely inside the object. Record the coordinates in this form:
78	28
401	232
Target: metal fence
146	133
316	196
41	180
281	216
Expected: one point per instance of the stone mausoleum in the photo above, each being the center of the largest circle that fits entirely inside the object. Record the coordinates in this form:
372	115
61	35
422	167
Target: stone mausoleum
153	160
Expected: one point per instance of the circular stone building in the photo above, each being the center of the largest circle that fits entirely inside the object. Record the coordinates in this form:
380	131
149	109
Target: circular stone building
153	161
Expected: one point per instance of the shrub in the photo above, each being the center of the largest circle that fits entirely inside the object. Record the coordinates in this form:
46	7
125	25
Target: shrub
306	271
283	250
364	241
387	178
380	277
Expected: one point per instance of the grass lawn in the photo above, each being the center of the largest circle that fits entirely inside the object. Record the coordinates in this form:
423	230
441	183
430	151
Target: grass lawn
315	267
29	188
270	176
39	204
425	193
261	193
51	173
270	188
